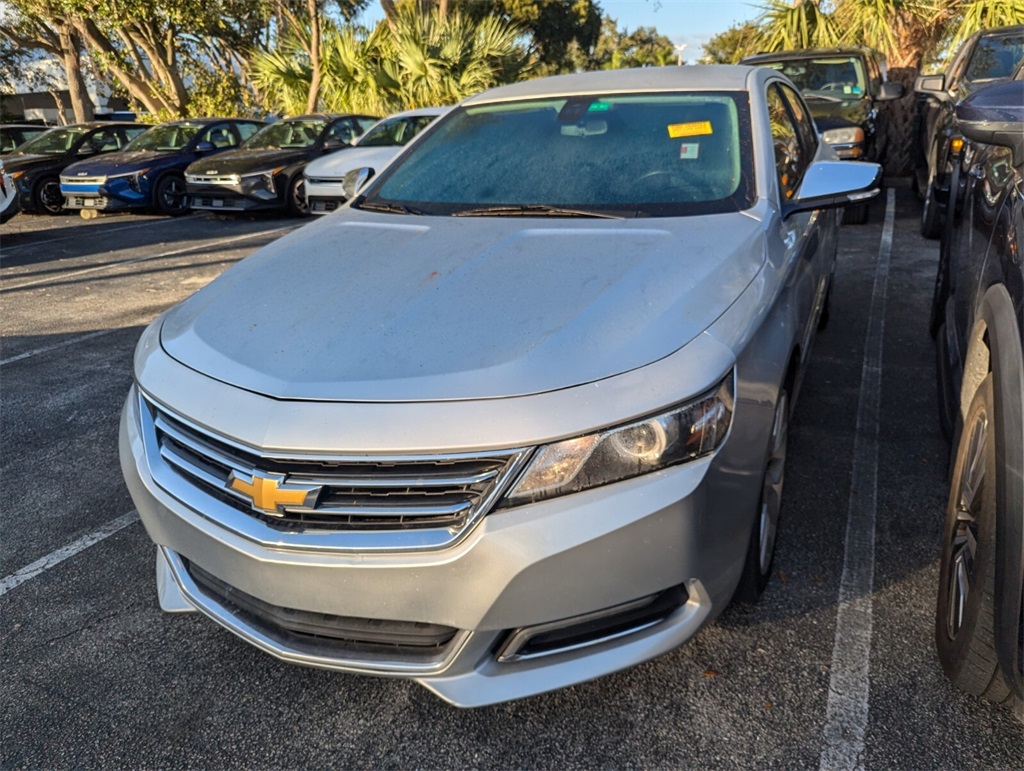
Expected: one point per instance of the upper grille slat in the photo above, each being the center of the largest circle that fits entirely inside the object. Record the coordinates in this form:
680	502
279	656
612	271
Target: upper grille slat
303	494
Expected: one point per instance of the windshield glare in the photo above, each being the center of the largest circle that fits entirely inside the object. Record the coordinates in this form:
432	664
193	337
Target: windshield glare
995	57
164	138
287	134
634	155
838	76
53	142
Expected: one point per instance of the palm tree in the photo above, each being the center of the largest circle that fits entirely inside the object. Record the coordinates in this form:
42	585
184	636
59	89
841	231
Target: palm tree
784	26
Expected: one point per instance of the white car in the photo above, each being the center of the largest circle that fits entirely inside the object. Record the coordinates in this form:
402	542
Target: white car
8	196
374	149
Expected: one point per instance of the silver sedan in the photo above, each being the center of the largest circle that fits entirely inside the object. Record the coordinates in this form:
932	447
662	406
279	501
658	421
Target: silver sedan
516	416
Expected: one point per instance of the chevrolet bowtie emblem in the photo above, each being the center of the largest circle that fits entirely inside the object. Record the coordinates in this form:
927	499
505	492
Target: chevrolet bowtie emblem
270	494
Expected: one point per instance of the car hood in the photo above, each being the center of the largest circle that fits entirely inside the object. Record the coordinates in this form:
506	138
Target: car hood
14	163
374	307
120	163
243	161
829	114
338	164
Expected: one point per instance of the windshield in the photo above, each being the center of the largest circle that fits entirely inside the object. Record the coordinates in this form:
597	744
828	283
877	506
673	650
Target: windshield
995	57
174	136
287	134
837	76
394	132
53	142
627	155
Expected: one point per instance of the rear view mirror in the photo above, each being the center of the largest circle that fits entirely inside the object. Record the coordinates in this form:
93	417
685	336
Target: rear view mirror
933	85
828	184
995	115
356	180
334	143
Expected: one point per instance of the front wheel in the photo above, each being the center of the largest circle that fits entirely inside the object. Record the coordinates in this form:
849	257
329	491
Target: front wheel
761	547
169	195
297	203
46	196
965	612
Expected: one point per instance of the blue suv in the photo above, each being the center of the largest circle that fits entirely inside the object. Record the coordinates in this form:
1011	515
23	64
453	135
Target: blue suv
148	172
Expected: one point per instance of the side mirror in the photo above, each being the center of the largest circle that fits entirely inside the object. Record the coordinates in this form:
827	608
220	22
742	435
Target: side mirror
932	85
205	147
890	91
995	115
356	180
87	149
828	184
334	143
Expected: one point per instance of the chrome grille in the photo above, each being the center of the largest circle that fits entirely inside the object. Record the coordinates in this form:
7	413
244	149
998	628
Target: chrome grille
336	494
82	180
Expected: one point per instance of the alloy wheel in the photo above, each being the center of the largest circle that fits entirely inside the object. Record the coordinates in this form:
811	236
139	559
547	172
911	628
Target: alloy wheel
774	479
968	501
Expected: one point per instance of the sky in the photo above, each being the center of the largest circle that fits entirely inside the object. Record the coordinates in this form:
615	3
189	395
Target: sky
685	22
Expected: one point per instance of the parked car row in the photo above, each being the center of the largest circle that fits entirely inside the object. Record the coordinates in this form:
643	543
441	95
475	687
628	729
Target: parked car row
217	164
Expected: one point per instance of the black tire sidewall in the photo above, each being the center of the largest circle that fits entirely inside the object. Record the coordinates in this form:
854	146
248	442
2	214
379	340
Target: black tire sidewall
37	195
959	656
158	200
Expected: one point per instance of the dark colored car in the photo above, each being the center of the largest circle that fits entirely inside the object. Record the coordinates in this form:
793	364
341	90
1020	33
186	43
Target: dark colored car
266	171
149	173
12	135
985	57
980	612
843	88
36	165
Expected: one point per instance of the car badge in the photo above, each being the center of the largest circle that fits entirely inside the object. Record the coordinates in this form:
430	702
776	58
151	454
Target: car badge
83	173
269	493
211	171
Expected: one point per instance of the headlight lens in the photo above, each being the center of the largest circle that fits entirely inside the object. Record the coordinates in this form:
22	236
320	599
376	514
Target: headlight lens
843	136
268	177
677	436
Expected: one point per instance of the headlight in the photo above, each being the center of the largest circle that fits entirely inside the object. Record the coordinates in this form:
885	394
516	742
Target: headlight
843	136
268	177
677	436
132	177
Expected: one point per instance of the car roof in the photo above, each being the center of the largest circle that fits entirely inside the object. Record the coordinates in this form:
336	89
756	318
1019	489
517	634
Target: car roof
699	77
90	125
807	53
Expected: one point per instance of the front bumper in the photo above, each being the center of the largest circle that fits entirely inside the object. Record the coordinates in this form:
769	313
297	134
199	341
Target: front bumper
113	195
9	205
324	195
250	194
517	574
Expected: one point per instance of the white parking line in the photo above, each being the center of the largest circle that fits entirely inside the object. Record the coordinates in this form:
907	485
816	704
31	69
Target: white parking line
171	253
849	686
55	558
55	346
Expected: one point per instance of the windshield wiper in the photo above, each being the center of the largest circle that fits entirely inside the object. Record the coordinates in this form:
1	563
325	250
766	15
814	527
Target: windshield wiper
529	210
389	208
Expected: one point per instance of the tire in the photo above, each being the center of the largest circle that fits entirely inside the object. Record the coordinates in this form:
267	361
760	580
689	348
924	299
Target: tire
948	406
46	196
856	214
297	203
931	217
965	612
170	196
757	569
826	307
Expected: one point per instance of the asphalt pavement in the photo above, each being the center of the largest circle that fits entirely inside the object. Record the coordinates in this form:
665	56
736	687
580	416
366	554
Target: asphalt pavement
95	676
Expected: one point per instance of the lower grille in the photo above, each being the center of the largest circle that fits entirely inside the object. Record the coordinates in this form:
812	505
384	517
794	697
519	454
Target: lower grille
318	632
231	203
324	204
86	202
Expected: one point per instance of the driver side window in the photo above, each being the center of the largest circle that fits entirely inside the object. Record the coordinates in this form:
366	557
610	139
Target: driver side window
790	160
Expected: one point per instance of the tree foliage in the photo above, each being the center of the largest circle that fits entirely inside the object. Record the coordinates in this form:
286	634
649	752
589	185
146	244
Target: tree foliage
410	60
728	47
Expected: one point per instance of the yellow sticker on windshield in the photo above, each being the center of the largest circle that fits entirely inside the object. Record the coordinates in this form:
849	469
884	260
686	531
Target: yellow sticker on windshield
695	129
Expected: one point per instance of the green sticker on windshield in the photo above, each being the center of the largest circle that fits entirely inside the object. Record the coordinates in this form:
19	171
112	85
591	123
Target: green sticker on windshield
599	107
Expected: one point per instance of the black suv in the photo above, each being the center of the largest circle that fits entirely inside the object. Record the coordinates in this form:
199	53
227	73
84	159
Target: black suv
842	87
979	624
985	57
